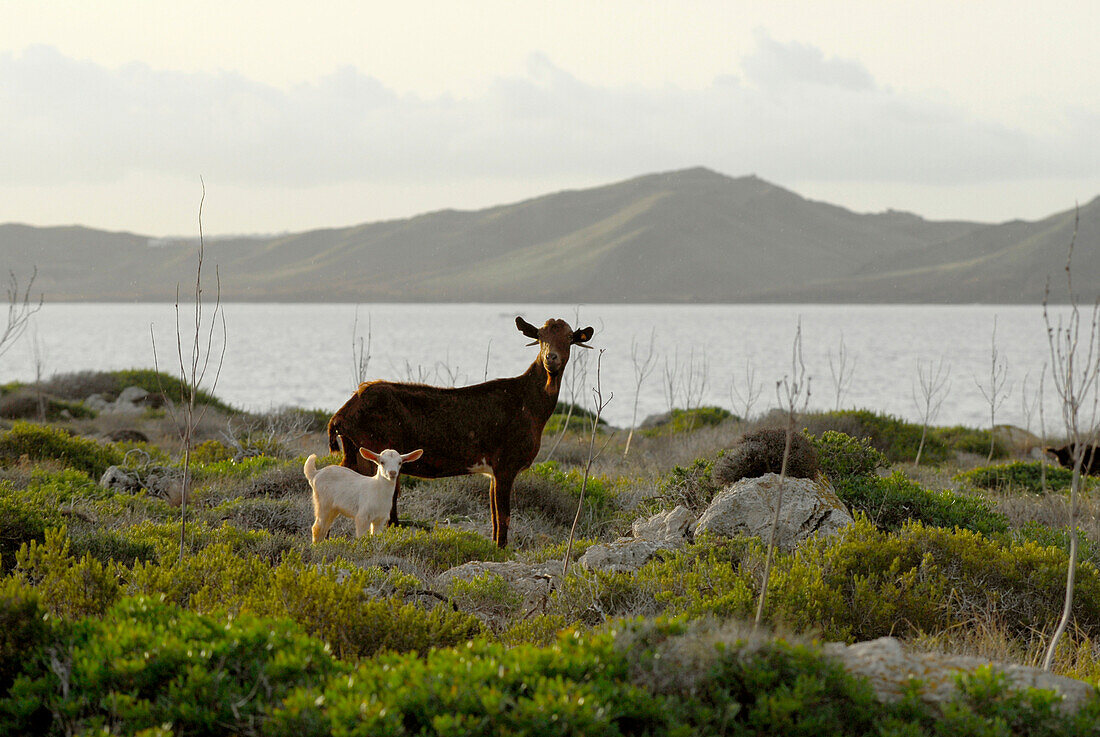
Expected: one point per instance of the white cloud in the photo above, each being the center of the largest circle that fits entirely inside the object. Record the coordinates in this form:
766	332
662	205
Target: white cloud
789	114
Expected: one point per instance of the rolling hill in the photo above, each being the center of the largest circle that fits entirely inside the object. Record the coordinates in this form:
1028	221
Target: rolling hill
684	236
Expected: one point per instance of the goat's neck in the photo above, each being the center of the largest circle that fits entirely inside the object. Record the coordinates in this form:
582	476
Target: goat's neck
549	386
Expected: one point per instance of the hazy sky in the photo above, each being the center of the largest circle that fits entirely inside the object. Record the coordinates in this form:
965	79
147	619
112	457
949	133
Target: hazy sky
302	115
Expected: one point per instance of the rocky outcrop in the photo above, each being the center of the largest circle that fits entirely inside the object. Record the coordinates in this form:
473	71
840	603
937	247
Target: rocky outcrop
664	531
889	667
810	507
131	400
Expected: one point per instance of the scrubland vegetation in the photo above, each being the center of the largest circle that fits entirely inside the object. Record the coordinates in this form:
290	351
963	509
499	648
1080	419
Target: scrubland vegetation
106	626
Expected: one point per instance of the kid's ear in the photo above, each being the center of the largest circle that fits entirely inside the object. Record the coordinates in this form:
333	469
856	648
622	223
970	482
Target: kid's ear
412	456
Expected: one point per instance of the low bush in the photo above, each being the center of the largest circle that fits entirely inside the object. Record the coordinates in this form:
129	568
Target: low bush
41	442
841	456
28	405
893	501
970	440
686	420
1022	476
651	678
867	583
761	451
20	524
23	631
68	587
148	663
894	437
599	495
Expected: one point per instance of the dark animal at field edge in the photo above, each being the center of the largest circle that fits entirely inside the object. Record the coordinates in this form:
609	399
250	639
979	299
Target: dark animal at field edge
494	428
761	451
1090	465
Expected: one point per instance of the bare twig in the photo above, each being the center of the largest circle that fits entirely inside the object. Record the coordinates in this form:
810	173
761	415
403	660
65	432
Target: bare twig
20	309
597	394
193	370
1074	369
752	390
998	388
643	367
841	372
935	385
360	351
791	391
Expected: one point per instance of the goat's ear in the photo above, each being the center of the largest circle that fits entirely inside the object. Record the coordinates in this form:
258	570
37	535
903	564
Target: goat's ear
527	328
583	335
370	455
412	456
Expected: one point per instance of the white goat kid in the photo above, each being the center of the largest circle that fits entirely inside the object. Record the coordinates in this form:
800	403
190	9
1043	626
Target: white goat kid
366	499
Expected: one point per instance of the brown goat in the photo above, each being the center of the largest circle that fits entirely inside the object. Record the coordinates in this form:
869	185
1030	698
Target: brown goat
493	428
1090	465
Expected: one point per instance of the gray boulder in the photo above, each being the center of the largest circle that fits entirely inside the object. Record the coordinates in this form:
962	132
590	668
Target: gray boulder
120	480
664	531
889	666
810	507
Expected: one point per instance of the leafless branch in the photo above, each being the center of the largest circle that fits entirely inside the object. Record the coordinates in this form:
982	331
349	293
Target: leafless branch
935	385
360	351
20	309
793	392
643	367
1074	370
752	390
597	394
998	388
842	373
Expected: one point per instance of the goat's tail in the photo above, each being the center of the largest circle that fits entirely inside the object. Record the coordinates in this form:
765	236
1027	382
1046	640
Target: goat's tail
310	469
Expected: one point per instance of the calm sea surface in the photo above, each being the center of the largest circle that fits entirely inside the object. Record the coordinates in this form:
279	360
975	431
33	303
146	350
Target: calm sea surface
302	354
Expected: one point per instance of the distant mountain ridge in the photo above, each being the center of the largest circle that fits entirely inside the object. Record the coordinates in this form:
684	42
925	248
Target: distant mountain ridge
692	235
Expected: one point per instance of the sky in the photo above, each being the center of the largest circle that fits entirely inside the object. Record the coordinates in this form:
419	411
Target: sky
295	116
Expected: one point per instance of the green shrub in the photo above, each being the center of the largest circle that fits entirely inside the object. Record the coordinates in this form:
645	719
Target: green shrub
23	631
41	442
210	452
866	583
599	494
20	524
894	437
892	501
687	420
578	686
488	595
579	419
693	486
842	456
333	602
1020	475
148	663
969	440
440	548
69	588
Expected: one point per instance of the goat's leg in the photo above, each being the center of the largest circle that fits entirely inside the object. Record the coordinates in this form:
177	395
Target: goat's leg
494	507
502	507
393	505
321	524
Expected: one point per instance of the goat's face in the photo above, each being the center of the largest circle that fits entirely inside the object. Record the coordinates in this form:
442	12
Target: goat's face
390	461
554	339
